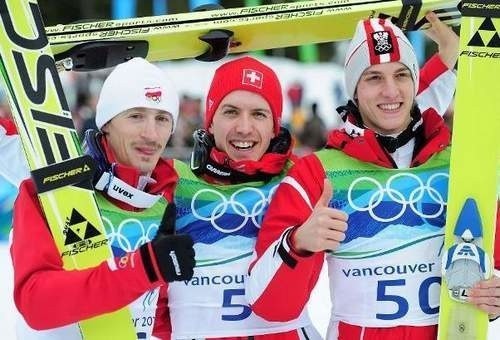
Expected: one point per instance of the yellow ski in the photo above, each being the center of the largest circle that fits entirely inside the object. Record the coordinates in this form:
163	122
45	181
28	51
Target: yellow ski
212	34
475	158
62	176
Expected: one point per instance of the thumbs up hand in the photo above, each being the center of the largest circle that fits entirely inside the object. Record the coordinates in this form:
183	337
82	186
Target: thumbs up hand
324	229
171	255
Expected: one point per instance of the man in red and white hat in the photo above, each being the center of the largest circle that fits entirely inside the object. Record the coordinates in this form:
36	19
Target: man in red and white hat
381	227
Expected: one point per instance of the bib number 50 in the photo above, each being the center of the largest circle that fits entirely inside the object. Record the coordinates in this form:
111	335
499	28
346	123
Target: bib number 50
383	294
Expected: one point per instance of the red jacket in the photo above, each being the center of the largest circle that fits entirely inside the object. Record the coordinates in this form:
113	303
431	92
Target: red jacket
277	265
48	296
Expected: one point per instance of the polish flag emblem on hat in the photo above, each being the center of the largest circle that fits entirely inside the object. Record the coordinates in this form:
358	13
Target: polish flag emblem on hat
153	94
252	78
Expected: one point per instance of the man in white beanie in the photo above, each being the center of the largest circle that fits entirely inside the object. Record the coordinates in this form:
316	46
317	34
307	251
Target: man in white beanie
380	228
136	115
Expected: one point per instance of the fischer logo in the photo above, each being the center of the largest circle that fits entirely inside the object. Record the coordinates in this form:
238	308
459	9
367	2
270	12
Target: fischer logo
469	5
78	233
474	54
466	251
217	171
83	246
486	35
65	174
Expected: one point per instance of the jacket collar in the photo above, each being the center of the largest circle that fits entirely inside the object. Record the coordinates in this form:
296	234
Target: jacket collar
362	143
162	180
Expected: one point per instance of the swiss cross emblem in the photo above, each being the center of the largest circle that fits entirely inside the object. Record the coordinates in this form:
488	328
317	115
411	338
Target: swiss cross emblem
153	94
253	78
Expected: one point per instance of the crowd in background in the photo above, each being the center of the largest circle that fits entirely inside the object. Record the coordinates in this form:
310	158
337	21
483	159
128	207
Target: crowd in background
305	123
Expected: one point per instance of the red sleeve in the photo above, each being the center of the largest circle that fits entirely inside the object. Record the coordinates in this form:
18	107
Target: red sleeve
277	265
162	327
47	295
9	126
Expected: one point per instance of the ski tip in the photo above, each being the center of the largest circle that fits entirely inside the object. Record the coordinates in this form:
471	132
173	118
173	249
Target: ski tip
469	225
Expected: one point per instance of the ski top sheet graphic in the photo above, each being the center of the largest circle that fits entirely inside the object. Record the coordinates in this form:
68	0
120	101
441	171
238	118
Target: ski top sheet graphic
52	149
474	167
212	34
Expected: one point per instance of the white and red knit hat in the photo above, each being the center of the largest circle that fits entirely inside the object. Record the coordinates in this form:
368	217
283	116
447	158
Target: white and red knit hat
136	84
245	74
377	41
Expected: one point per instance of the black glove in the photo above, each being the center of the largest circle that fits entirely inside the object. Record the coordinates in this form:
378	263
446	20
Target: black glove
169	255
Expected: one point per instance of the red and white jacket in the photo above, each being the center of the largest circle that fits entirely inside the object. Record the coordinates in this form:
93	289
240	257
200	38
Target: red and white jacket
13	165
280	280
52	299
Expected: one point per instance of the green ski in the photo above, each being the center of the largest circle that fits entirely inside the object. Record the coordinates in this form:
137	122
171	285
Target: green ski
472	201
210	35
62	176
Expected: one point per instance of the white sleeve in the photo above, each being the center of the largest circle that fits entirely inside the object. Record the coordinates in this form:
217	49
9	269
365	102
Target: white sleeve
439	94
13	165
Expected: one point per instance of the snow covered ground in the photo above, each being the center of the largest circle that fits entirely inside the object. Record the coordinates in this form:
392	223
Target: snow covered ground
319	305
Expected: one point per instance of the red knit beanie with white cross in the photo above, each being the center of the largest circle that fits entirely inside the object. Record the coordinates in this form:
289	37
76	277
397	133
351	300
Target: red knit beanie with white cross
245	74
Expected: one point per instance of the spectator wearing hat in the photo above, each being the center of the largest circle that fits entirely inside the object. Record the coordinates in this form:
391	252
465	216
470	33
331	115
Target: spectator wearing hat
381	227
136	115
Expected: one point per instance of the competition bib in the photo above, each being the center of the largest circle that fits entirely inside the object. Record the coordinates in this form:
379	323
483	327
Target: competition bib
389	262
223	222
126	232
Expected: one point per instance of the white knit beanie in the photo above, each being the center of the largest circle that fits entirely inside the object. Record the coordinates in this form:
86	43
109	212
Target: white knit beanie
136	84
377	41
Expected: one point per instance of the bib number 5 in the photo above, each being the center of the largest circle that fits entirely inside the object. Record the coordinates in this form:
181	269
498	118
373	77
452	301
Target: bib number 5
240	310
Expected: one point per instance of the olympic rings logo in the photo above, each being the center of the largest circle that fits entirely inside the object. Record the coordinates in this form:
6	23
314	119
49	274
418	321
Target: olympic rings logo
119	237
412	200
383	47
382	42
249	203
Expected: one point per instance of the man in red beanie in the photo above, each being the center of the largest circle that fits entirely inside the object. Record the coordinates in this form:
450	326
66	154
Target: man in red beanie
237	162
381	230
